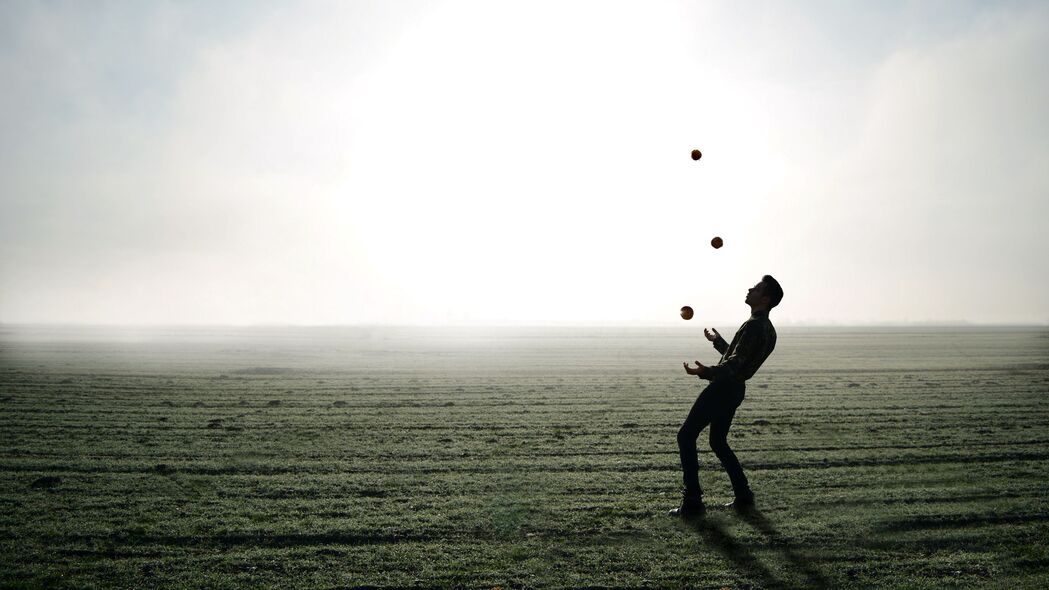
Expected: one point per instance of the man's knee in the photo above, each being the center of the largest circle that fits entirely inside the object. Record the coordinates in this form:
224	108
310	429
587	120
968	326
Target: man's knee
686	436
719	444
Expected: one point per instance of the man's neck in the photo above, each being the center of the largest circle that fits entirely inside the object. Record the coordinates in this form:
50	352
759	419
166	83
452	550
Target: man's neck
756	309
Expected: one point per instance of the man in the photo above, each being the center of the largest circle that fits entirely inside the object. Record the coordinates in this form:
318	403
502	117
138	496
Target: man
717	403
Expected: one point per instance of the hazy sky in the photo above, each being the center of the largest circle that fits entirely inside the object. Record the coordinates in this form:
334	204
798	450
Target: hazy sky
522	162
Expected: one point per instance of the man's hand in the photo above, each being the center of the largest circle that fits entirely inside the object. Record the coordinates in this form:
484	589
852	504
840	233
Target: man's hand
700	371
711	337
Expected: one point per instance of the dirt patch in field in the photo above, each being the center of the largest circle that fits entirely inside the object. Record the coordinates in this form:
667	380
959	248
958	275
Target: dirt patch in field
46	482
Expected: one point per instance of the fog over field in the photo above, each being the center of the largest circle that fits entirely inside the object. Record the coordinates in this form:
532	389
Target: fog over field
389	457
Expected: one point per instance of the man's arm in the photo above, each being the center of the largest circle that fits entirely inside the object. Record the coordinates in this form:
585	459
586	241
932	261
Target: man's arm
719	343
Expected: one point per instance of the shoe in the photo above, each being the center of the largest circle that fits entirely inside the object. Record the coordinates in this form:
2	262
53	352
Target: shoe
688	510
742	503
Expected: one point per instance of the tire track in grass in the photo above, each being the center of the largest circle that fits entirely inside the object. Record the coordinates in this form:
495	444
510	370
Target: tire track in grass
523	468
479	454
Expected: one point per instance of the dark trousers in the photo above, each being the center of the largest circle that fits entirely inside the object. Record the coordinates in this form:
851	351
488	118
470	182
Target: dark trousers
716	405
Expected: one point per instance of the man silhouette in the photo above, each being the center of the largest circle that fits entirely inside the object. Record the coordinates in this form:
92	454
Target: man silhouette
717	403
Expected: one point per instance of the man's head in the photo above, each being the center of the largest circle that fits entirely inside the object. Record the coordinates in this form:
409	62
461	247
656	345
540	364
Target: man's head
765	295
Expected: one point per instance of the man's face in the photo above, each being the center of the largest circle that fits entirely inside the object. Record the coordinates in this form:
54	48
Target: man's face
755	293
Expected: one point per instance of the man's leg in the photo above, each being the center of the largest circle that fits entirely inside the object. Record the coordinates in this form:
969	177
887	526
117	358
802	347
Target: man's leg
719	427
697	420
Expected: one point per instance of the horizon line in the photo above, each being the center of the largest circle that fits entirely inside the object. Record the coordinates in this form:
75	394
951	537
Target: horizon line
786	324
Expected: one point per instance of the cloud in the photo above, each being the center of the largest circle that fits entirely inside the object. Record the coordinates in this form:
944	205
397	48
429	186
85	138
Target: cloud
934	211
471	162
201	194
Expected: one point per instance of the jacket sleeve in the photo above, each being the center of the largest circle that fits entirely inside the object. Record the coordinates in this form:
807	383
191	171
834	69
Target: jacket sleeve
749	345
720	345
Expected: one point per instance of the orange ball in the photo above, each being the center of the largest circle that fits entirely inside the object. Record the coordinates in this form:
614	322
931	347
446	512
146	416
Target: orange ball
686	313
696	154
717	242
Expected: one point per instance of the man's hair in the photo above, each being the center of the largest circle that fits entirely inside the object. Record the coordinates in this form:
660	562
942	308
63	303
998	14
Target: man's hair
772	290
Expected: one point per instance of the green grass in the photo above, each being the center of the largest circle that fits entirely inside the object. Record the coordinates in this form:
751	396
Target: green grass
324	460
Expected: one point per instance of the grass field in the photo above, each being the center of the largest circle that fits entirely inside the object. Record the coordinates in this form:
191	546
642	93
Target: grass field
327	458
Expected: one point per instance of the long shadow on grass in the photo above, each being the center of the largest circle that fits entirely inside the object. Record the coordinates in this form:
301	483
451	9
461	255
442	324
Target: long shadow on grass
812	574
746	561
714	534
